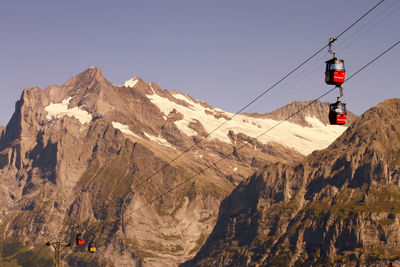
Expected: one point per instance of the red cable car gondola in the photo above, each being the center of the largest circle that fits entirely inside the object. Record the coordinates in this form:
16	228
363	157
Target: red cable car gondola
335	75
79	239
335	72
337	113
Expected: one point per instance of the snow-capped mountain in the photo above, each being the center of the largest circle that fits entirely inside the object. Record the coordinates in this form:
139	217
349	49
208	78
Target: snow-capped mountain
92	154
185	113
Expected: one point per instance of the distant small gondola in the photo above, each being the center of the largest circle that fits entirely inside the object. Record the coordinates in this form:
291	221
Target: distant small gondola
79	239
92	247
337	113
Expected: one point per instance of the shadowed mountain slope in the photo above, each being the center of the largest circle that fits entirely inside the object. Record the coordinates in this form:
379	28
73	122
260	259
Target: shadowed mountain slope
340	206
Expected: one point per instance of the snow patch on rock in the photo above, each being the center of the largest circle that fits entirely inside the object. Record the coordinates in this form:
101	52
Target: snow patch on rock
158	140
131	83
123	128
59	110
152	89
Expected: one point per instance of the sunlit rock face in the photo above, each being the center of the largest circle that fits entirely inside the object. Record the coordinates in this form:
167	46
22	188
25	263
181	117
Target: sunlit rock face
89	155
339	207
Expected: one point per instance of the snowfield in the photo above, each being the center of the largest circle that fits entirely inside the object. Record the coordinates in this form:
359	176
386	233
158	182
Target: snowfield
217	122
131	83
56	111
302	139
124	129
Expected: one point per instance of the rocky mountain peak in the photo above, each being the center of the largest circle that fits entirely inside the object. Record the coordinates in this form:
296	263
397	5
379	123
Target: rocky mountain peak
143	87
339	207
92	74
371	145
90	81
132	82
379	127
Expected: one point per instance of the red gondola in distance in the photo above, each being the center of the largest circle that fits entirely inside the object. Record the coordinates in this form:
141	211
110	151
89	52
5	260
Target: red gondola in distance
79	240
337	113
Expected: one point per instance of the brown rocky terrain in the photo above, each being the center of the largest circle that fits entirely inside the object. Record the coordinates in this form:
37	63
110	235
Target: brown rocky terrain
339	207
83	157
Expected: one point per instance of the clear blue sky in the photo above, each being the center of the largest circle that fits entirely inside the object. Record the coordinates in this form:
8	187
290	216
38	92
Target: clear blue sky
224	52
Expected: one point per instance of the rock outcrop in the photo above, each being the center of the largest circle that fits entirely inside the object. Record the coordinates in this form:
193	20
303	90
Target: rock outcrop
339	207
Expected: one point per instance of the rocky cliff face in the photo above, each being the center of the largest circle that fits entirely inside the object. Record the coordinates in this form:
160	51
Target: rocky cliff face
339	207
83	156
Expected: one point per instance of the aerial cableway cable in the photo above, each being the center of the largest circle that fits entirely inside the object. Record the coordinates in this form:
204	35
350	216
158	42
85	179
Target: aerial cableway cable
370	24
372	61
355	22
256	99
265	132
242	109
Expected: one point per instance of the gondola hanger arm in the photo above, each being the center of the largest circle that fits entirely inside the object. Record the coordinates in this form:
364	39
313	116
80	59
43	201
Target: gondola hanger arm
331	41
